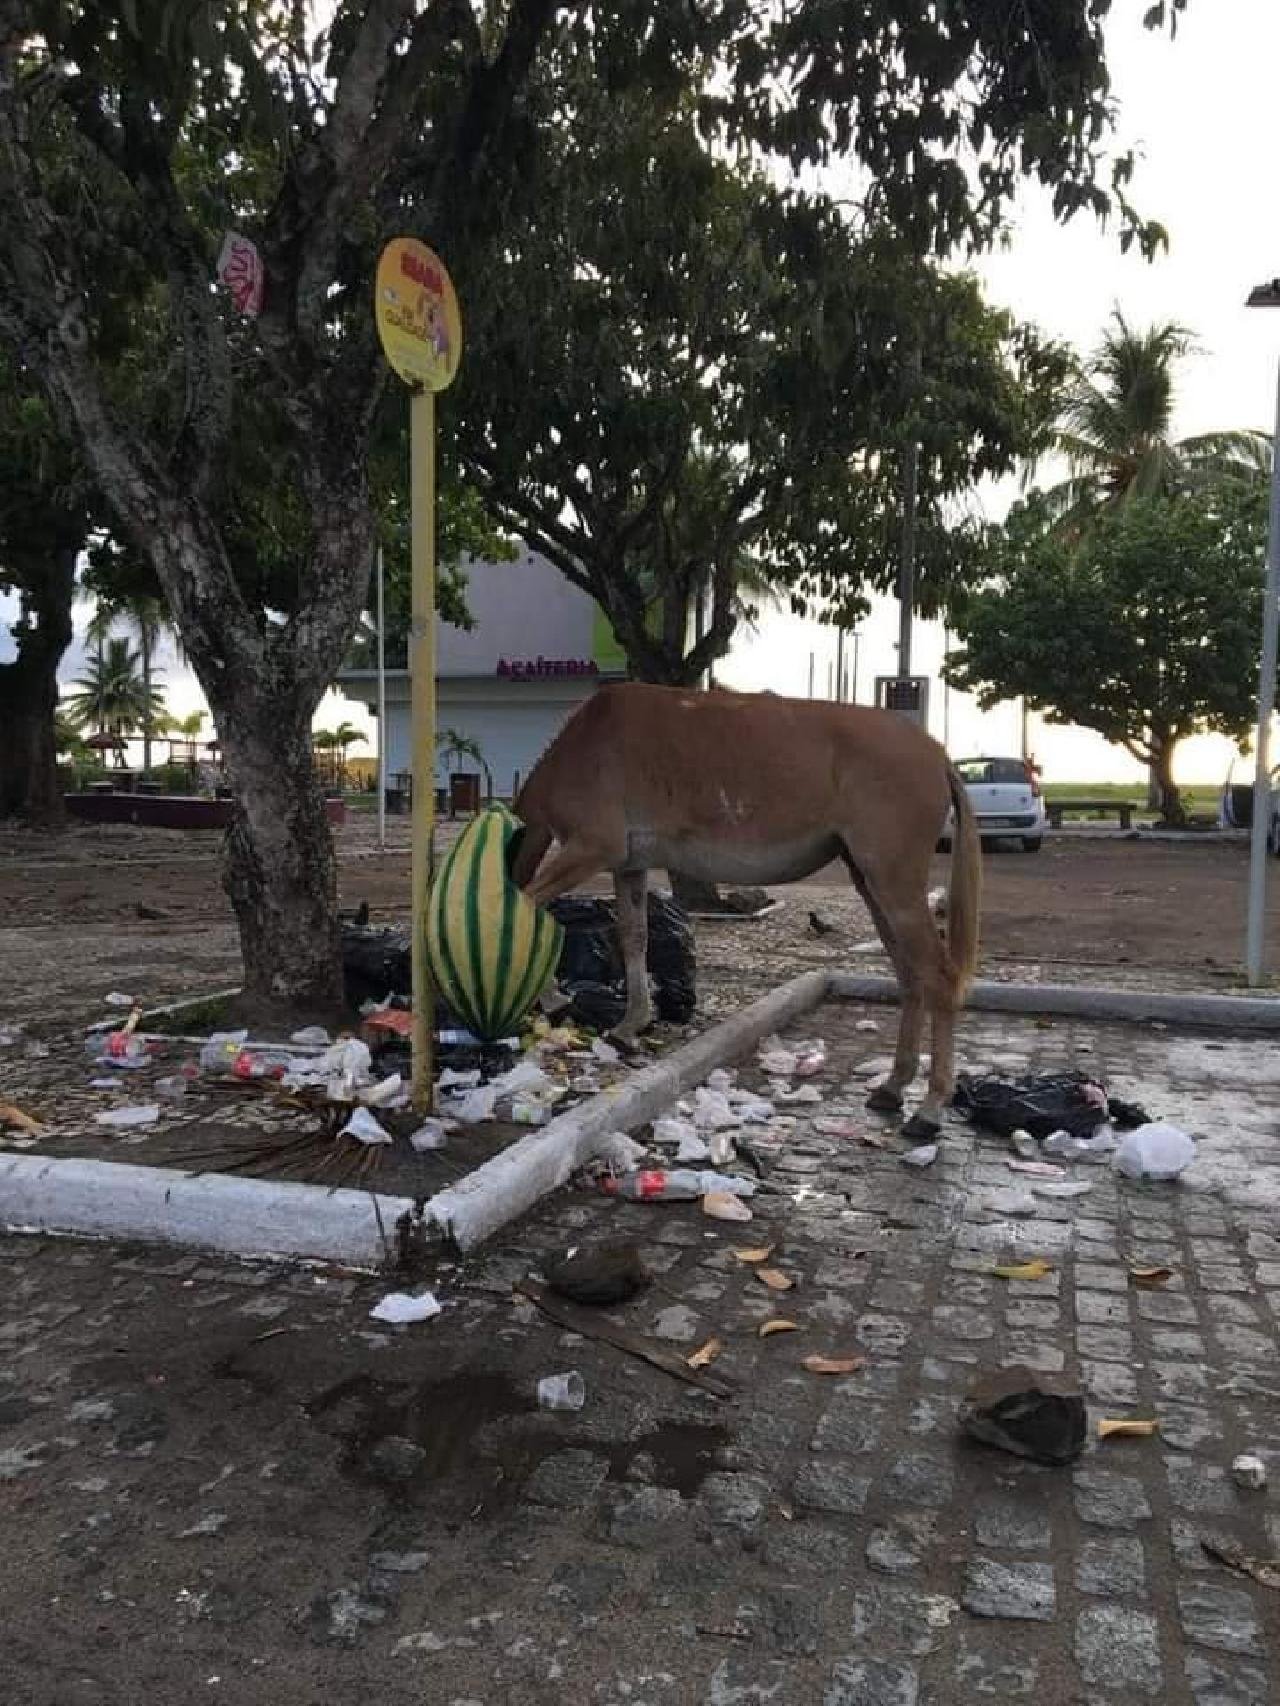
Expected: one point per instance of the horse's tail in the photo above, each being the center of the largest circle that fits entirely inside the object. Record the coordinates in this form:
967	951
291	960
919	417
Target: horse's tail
964	897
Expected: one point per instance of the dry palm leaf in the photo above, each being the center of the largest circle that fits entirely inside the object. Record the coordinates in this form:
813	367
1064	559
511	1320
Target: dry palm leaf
1035	1269
833	1365
705	1354
773	1279
1150	1279
1264	1570
777	1325
759	1255
1127	1427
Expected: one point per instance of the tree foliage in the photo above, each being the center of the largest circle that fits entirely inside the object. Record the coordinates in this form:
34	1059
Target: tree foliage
1116	428
683	378
1146	630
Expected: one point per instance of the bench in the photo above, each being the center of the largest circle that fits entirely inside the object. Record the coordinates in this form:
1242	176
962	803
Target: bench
1122	808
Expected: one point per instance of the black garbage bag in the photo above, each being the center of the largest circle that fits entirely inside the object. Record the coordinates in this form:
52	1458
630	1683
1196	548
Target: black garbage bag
1041	1104
591	960
375	964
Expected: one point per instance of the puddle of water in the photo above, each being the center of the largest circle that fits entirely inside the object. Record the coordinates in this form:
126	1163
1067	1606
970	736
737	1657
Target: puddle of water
445	1418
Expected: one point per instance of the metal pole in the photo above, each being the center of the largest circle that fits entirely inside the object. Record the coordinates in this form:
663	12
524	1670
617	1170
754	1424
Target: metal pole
811	675
857	646
382	713
946	691
907	567
422	666
839	663
1255	931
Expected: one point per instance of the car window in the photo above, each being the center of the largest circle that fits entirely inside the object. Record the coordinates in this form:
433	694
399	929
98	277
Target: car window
1008	770
972	770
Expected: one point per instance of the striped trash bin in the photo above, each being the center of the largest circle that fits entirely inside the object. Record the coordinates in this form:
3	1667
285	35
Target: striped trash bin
491	950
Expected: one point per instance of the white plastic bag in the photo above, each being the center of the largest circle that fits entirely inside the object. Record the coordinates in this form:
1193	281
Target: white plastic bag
364	1128
429	1135
711	1111
399	1307
123	1119
1155	1151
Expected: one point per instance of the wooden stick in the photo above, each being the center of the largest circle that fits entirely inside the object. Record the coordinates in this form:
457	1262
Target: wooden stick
592	1326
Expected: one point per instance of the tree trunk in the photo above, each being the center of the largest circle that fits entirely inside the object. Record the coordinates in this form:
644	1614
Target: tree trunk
146	705
29	783
279	869
1170	797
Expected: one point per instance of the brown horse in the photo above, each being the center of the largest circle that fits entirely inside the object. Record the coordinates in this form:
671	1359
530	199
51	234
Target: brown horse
751	788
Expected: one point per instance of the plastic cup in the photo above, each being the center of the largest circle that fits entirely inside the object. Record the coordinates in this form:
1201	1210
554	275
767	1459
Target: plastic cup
562	1391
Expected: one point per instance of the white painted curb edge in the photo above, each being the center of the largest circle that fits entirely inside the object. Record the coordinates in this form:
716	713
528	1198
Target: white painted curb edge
207	1211
474	1207
1127	1006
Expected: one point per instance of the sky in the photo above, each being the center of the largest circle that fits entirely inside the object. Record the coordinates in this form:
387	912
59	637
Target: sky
1200	113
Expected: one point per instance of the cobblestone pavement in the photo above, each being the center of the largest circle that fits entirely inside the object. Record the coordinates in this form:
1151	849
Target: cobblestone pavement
229	1483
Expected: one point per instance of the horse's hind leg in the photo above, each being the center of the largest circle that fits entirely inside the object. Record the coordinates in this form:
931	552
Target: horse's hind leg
886	1098
631	889
931	982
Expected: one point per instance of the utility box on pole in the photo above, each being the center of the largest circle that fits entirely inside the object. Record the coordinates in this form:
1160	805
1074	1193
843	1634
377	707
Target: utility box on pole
908	695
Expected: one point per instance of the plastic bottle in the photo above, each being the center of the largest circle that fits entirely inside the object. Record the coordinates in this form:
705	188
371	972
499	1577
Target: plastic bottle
679	1185
117	1048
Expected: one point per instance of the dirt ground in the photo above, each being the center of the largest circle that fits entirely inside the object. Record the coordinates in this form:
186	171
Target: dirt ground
142	911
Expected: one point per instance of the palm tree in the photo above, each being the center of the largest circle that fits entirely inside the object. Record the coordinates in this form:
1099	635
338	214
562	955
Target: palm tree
335	742
149	618
113	698
1116	429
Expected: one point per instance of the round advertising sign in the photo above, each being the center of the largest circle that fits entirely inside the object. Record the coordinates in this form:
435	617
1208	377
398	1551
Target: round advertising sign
419	322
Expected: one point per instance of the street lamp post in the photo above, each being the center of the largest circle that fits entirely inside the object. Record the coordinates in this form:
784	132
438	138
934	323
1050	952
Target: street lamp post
1265	296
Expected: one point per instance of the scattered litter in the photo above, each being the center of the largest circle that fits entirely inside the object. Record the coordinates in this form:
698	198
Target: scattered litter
116	999
605	1052
705	1354
1024	1144
1020	1410
1035	1269
778	1324
364	1128
836	1128
720	1081
172	1088
311	1036
601	1328
429	1135
1036	1169
12	1115
620	1153
1264	1570
774	1279
600	1276
923	1156
1127	1427
833	1365
779	1059
1249	1471
876	1066
120	1049
719	1205
711	1111
401	1307
1150	1279
562	1391
1072	1102
1155	1151
1062	1188
805	1094
761	1254
866	1025
678	1185
391	1092
9	1035
220	1050
1104	1142
476	1106
103	1083
124	1119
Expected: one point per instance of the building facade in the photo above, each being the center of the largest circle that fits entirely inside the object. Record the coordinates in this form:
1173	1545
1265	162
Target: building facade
540	646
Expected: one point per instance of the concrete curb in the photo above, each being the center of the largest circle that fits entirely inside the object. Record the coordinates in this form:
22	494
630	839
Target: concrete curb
508	1184
207	1211
1128	1006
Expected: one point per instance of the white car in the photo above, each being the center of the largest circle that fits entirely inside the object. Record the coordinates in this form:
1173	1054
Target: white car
1006	800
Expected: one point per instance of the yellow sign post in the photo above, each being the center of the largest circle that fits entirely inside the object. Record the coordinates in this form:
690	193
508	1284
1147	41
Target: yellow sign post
421	331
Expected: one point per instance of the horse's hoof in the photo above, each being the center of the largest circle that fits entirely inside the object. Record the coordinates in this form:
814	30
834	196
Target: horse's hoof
921	1129
882	1100
627	1045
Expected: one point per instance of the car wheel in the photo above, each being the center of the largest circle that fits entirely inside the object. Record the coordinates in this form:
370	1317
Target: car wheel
1032	843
